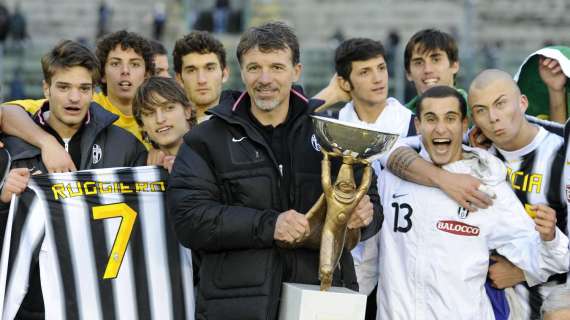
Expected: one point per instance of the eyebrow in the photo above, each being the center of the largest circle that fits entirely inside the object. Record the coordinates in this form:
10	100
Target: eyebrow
120	59
70	84
499	98
436	54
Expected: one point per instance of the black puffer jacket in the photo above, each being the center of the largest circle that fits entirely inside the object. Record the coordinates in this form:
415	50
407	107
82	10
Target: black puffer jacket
226	191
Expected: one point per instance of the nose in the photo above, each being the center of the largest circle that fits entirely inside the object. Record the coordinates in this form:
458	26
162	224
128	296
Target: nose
493	115
159	116
265	77
125	69
376	76
440	127
74	95
428	67
201	76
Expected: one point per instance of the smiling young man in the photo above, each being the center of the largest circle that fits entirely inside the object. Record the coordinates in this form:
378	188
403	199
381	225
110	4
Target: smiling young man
431	59
438	249
84	128
164	114
200	67
534	159
243	180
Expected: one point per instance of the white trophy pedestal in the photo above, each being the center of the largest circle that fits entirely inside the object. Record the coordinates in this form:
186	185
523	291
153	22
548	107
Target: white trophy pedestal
307	302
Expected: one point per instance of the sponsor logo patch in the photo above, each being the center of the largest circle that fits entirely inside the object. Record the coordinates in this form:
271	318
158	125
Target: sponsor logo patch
458	228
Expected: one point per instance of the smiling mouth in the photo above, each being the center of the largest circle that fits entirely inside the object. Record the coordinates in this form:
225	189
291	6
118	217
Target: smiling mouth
163	129
441	144
431	81
125	84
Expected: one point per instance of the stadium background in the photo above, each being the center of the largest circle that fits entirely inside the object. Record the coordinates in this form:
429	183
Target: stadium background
491	33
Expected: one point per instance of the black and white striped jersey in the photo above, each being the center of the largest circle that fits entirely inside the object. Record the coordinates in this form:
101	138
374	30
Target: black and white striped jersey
105	246
535	175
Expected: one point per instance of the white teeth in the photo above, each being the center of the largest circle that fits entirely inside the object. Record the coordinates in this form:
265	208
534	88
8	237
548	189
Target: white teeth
163	129
430	81
441	140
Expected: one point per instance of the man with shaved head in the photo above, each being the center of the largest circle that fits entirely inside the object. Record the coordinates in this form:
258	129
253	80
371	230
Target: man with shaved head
534	159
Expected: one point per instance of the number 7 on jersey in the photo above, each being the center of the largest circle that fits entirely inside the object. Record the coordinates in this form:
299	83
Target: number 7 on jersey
128	217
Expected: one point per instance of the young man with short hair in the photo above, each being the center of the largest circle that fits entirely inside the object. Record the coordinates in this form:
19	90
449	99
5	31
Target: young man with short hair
84	128
362	77
438	249
534	158
200	67
431	58
126	60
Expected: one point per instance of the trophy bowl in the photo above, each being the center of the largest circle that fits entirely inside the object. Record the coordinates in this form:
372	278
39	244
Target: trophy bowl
351	138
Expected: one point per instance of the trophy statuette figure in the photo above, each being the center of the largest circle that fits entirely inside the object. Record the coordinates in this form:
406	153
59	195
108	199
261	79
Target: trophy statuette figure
329	216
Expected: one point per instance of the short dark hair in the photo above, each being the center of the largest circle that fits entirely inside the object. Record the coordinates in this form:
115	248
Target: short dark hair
429	40
67	54
269	37
200	42
158	48
442	92
127	40
167	88
355	49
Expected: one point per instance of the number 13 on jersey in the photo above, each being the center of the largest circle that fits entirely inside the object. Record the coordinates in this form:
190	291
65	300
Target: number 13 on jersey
128	217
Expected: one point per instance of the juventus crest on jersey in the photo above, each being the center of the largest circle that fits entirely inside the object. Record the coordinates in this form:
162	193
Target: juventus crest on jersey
105	246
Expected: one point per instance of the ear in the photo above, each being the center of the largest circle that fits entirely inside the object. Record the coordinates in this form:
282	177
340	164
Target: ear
45	87
297	71
417	123
454	67
409	76
344	84
523	104
188	113
464	125
178	78
225	74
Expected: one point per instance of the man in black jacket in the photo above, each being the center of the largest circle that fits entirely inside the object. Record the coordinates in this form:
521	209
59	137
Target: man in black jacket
245	178
83	127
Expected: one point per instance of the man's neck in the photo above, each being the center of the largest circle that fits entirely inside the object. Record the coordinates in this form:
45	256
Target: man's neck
124	105
274	117
367	112
201	109
64	131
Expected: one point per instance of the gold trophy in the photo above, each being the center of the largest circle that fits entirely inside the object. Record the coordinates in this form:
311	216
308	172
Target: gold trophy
329	216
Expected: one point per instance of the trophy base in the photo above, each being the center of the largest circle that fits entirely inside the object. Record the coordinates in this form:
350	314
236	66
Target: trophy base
307	302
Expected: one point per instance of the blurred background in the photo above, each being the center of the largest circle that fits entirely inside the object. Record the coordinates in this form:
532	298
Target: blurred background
490	33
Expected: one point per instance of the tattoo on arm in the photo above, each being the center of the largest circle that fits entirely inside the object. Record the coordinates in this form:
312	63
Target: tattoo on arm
400	161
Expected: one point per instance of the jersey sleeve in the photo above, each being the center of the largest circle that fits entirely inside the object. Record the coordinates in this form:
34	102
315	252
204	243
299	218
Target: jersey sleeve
24	236
30	105
514	236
